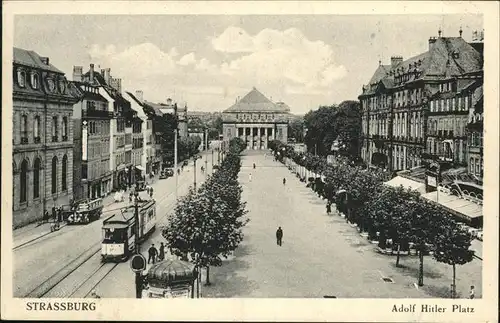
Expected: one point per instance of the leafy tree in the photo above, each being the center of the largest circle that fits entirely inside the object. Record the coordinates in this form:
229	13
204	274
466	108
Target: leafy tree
296	129
207	224
451	244
348	125
320	130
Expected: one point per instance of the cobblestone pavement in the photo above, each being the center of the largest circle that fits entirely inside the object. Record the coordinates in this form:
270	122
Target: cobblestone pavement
321	255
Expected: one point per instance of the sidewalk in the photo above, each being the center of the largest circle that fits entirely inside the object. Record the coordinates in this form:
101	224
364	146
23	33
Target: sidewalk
36	230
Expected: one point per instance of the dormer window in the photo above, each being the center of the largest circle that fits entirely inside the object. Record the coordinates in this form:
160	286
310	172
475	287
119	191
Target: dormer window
455	54
21	78
35	81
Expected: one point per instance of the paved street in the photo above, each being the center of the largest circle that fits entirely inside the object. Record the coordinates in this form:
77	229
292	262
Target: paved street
37	261
321	255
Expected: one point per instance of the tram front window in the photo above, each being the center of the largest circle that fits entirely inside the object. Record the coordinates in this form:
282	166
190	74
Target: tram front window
114	235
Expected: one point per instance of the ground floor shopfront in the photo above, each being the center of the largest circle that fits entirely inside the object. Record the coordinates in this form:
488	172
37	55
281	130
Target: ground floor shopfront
98	188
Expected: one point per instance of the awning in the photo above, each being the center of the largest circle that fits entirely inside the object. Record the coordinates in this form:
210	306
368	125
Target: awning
454	203
406	183
139	167
120	167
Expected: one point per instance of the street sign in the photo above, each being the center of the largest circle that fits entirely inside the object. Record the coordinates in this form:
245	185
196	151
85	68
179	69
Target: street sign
138	263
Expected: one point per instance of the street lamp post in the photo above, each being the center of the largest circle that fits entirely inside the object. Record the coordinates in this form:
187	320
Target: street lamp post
138	278
194	162
176	174
212	161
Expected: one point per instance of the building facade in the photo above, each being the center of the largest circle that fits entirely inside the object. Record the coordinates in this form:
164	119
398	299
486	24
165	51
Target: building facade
92	134
256	120
396	103
120	153
42	138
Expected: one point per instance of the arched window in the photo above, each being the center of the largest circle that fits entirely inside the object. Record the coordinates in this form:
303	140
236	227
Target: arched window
34	81
65	129
24	129
36	178
24	181
64	183
54	128
36	129
54	175
21	78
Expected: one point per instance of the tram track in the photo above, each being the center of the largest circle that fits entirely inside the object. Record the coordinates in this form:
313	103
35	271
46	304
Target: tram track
98	274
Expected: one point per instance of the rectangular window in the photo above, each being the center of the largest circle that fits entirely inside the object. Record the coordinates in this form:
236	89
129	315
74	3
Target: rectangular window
466	103
432	106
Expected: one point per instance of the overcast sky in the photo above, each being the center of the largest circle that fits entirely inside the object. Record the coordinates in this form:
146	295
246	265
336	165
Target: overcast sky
207	61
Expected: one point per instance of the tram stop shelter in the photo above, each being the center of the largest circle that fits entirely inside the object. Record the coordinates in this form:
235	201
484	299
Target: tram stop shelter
171	278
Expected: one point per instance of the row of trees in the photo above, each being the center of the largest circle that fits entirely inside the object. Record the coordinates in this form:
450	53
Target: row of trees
384	213
337	122
207	223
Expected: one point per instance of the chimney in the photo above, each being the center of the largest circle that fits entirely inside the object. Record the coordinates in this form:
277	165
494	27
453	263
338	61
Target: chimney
45	60
107	75
91	73
432	40
395	60
460	32
139	95
77	73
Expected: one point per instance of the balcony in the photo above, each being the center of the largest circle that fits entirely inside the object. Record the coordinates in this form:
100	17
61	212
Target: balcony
54	138
37	140
24	140
93	113
64	138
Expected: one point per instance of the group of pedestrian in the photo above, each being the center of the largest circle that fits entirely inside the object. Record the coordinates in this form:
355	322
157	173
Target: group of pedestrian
155	255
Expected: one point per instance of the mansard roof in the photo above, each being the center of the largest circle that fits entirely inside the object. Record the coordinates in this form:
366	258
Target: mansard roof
447	57
32	59
255	101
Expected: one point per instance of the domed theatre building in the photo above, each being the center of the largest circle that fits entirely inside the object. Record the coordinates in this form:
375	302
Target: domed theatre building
256	120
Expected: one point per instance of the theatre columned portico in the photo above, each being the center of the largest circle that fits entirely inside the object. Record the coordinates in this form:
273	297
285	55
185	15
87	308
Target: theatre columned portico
256	120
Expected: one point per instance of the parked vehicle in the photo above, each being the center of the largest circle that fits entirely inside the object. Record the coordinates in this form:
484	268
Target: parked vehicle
119	229
86	212
166	173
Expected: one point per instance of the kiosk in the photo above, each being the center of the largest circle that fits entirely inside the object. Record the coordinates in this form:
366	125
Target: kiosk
170	278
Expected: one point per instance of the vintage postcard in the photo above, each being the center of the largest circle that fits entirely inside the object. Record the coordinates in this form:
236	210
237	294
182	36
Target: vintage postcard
275	161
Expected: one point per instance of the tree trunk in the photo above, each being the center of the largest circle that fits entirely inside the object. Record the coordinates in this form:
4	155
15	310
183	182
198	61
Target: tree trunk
398	254
207	282
421	268
453	287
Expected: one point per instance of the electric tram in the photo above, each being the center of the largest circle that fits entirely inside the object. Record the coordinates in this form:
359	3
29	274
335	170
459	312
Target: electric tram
119	229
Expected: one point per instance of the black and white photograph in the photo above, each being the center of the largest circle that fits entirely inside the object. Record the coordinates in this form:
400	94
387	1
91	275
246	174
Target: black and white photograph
188	152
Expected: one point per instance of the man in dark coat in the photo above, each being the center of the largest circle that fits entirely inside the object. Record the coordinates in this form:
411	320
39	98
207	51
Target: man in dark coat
328	208
279	236
153	253
284	181
162	252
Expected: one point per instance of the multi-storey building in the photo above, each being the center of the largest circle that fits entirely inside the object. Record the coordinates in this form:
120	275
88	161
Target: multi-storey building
110	89
181	111
147	140
474	132
92	176
42	136
137	148
395	103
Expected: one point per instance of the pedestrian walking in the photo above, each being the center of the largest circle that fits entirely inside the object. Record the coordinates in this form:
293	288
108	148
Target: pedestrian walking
250	177
151	192
162	252
46	216
279	236
328	208
153	253
472	293
253	165
284	181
